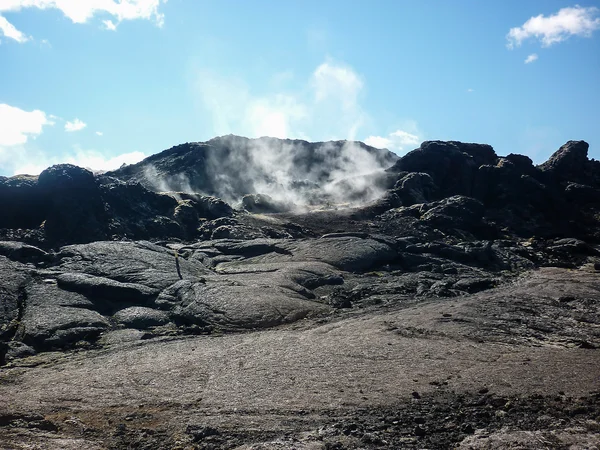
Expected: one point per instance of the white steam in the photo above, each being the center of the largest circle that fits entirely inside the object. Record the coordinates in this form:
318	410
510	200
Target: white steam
296	173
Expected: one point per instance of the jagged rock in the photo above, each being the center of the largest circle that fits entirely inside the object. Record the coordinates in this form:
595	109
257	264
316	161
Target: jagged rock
16	349
230	167
261	203
186	215
23	206
415	188
522	163
568	163
10	297
235	232
451	164
207	207
457	212
582	194
76	211
137	212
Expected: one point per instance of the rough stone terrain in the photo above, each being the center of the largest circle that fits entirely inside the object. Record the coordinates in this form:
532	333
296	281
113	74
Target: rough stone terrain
458	310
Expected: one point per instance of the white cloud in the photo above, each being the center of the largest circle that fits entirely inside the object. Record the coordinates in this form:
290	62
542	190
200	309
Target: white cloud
110	25
32	162
572	21
330	95
470	90
9	30
17	125
99	133
396	141
337	81
378	142
531	58
80	11
96	161
75	125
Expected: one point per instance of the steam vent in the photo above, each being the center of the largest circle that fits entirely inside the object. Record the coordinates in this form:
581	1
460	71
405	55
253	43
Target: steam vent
276	294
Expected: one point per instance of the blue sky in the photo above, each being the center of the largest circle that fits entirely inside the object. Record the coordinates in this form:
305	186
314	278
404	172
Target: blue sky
102	82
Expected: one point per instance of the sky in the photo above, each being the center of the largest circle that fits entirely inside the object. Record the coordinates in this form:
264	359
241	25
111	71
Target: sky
99	83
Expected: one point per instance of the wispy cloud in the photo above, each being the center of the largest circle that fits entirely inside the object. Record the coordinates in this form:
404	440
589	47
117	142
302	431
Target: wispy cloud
109	25
17	156
99	133
9	30
572	21
75	125
531	58
81	11
470	90
331	93
396	141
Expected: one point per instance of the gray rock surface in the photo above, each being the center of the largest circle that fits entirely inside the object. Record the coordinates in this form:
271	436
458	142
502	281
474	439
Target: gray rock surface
140	317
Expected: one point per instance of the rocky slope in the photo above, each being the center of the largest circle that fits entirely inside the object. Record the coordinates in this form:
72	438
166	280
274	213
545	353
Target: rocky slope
455	304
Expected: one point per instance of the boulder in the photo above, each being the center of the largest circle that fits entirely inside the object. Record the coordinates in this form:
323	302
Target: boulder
186	215
568	163
107	294
456	212
414	188
140	317
233	306
136	212
261	203
208	207
49	327
75	209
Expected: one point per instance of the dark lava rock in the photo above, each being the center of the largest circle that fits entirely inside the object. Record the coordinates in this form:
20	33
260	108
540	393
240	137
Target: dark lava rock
107	293
261	203
569	162
128	262
18	251
415	188
11	297
451	164
76	211
140	317
232	166
455	212
23	206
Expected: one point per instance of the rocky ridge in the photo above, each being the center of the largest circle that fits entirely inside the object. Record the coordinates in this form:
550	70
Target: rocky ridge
464	252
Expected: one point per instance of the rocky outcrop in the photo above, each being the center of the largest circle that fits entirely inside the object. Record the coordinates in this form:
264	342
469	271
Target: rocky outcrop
455	218
569	163
452	165
75	208
230	167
